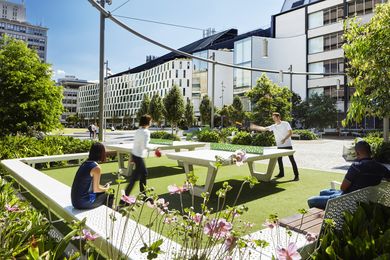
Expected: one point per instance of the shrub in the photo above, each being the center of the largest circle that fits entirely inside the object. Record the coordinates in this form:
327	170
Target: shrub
263	139
243	138
209	136
164	135
364	235
305	134
380	150
225	132
23	146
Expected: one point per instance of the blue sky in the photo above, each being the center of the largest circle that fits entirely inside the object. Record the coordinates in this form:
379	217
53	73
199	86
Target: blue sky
73	36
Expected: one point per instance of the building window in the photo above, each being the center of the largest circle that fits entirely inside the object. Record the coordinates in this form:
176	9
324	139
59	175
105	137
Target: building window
328	66
184	91
243	51
333	14
362	7
316	45
177	73
326	43
188	82
316	20
184	73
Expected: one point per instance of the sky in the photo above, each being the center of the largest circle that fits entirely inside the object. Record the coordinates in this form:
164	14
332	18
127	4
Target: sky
73	35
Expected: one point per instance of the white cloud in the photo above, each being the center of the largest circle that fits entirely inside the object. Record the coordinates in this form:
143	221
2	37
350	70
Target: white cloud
60	72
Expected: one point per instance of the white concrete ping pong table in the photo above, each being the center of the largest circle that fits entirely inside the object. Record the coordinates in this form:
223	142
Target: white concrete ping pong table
207	158
125	149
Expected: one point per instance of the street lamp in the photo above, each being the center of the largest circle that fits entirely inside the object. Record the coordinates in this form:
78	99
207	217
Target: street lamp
223	90
212	90
101	70
337	100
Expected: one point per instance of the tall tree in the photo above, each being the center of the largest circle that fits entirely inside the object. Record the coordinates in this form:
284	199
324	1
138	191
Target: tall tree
189	114
321	111
205	110
156	108
266	98
367	48
144	108
174	106
29	99
238	110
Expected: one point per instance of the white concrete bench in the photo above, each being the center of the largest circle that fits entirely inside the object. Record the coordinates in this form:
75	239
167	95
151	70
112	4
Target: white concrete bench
56	197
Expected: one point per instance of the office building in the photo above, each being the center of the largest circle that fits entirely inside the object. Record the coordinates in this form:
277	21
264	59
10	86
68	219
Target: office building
13	23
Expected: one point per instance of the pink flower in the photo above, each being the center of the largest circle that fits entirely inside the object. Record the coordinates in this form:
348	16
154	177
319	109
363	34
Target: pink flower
230	242
14	208
157	152
128	199
169	220
177	189
87	235
310	237
197	218
218	228
289	253
270	224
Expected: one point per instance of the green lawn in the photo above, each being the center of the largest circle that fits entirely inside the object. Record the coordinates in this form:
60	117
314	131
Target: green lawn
281	196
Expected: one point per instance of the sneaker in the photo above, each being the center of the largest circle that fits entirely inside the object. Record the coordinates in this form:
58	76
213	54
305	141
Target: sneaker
279	175
296	178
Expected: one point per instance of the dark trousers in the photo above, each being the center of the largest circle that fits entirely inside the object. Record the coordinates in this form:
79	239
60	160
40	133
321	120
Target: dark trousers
101	199
140	173
292	160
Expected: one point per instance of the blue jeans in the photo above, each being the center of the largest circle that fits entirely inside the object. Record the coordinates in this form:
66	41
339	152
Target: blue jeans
321	200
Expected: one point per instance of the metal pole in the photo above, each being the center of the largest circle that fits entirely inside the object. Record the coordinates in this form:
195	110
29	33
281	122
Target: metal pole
212	92
101	74
290	71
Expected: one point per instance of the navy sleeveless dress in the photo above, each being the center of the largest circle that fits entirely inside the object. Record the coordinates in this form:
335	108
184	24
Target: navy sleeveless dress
82	193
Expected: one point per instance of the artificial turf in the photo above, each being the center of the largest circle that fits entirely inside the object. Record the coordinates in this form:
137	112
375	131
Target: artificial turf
282	196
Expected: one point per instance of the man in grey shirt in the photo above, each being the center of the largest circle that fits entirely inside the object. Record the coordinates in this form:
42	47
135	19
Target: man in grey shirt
282	132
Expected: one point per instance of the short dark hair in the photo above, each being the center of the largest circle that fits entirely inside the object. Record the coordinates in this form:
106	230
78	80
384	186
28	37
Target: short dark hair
276	114
363	147
97	152
145	120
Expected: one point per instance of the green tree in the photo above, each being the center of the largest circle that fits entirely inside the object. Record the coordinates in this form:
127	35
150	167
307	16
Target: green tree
29	99
205	110
174	106
156	108
189	114
238	110
144	108
267	97
367	48
321	111
73	119
227	113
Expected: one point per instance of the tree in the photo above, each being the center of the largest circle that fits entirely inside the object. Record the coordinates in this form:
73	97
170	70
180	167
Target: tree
29	99
205	110
174	106
321	111
144	108
238	110
367	50
73	120
156	108
267	97
189	114
227	113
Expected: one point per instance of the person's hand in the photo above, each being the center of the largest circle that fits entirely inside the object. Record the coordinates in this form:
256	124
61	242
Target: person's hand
283	140
107	185
157	152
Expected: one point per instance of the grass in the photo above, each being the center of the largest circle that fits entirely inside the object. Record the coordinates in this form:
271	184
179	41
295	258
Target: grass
69	131
281	196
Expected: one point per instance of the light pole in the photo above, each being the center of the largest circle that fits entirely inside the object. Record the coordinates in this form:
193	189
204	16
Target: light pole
212	91
223	90
290	72
101	70
337	101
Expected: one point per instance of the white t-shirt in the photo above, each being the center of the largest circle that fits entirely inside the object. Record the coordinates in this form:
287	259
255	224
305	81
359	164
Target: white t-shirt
141	142
280	132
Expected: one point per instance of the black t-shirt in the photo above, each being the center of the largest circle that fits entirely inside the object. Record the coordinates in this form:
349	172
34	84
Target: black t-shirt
364	173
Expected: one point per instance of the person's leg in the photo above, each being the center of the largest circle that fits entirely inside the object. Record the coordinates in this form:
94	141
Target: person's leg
281	168
134	175
103	199
321	201
294	165
328	192
143	173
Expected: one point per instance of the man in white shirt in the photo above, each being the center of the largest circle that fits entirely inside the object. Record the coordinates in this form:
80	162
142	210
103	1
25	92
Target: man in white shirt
282	132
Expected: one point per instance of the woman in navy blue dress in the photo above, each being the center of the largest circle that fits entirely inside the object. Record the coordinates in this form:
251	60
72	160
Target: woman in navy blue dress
87	193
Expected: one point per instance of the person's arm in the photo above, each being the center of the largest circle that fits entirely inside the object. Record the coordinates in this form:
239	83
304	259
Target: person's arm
96	173
345	185
258	128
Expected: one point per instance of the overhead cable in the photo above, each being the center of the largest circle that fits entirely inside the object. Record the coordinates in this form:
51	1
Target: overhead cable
127	28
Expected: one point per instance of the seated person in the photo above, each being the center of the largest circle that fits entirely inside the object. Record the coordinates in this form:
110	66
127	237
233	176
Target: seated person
87	193
361	174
